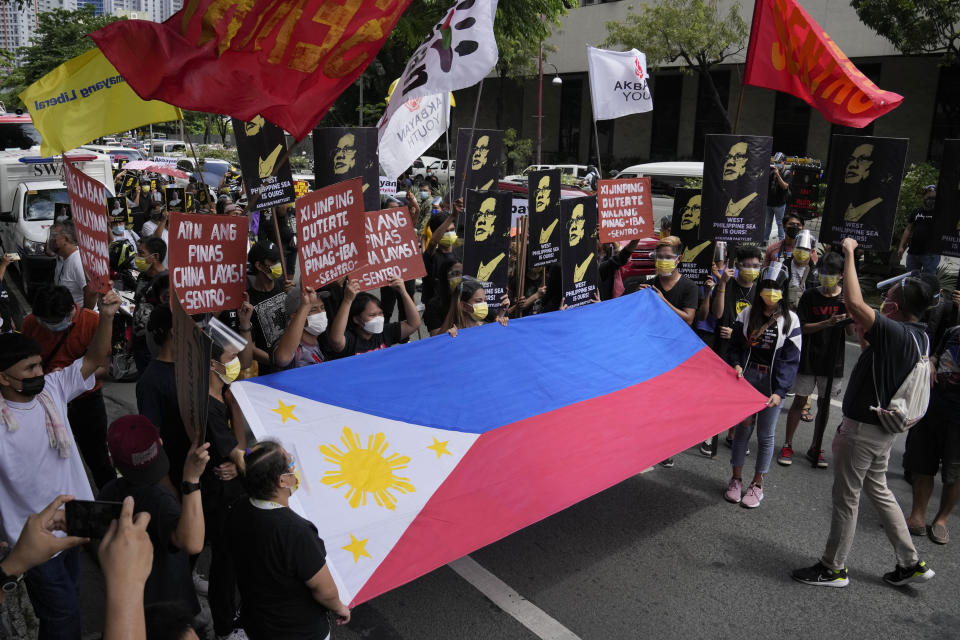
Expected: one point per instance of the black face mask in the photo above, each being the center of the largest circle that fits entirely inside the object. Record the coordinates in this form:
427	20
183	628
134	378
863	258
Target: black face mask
793	232
30	386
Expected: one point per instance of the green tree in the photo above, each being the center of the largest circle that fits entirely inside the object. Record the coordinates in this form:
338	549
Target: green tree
60	36
694	32
915	26
519	151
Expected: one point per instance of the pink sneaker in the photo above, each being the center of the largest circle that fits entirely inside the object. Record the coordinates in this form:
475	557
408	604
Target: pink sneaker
753	496
734	489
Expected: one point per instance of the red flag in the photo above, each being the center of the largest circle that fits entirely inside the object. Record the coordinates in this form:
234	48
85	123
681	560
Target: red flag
789	52
286	60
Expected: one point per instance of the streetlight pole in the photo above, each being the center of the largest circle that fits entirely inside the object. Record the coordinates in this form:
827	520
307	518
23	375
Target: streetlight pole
540	106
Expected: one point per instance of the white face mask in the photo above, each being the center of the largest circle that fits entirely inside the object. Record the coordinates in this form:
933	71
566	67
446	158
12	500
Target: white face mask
317	323
374	326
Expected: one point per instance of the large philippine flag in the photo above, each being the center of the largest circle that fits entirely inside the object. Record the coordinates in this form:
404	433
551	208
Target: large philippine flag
417	455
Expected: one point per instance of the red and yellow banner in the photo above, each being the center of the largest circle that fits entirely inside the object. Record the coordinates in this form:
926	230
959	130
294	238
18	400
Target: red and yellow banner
789	52
287	60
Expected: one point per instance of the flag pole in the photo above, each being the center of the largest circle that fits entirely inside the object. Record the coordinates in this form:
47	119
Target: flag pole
596	136
195	159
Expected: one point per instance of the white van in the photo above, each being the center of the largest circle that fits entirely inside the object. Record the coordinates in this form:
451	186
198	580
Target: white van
577	171
665	177
169	148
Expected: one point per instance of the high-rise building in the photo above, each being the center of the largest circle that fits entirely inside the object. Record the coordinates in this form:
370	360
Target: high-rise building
17	25
96	4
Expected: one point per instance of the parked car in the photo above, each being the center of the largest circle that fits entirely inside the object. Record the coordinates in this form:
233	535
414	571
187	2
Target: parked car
442	170
569	172
116	152
420	165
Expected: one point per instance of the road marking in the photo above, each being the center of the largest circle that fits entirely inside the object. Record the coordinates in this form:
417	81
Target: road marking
500	593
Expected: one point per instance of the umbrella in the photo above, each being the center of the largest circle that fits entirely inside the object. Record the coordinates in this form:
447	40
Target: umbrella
155	167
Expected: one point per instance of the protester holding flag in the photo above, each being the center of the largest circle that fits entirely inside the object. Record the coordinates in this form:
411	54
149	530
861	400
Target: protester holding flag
448	280
765	349
468	308
678	291
299	346
360	326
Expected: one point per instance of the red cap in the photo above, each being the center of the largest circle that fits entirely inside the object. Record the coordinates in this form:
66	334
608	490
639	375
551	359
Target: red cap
136	450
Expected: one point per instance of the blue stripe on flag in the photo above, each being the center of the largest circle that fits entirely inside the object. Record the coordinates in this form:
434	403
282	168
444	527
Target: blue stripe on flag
492	376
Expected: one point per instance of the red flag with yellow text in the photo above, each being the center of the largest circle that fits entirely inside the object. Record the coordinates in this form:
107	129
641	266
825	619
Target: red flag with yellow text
287	60
789	52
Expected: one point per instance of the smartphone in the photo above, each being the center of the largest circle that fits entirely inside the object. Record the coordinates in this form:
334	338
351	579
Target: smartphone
90	518
12	257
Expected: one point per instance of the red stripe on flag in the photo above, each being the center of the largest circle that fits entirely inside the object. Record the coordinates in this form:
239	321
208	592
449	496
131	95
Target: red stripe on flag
523	472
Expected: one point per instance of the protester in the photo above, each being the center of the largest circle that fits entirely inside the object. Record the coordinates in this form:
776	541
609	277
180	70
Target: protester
678	291
282	574
733	294
69	268
120	233
468	308
449	278
154	280
530	300
64	334
264	287
439	250
934	443
360	327
126	556
666	227
800	270
764	349
37	461
777	195
156	227
943	313
920	236
8	317
823	317
782	250
299	346
608	267
861	446
175	530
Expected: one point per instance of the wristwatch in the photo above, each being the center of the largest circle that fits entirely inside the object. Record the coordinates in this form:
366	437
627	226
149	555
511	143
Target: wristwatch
189	487
9	584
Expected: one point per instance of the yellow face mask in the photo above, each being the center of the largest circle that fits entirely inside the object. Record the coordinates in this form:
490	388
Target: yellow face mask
276	271
749	273
448	239
665	267
140	263
454	282
771	296
829	282
480	310
232	370
801	255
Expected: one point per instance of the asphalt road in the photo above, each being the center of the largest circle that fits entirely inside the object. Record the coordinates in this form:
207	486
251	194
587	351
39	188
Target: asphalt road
663	555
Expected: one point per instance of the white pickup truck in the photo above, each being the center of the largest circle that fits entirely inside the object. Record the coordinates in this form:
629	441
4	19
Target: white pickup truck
30	185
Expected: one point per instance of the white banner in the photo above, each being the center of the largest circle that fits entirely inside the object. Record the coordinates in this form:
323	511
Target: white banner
167	160
618	83
459	52
411	130
388	186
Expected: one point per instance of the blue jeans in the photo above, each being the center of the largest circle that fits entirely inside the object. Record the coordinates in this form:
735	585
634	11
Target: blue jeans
924	262
766	425
774	213
52	587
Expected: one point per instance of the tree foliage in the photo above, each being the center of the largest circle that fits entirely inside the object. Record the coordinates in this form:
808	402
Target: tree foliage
60	36
695	33
915	26
519	151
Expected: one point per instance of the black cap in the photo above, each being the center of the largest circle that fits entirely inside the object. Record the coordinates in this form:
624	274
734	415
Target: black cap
263	251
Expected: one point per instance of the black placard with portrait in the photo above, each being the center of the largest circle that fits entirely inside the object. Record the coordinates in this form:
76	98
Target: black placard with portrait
262	149
578	250
117	210
697	253
946	211
341	153
736	175
130	184
863	183
486	242
478	159
543	243
174	199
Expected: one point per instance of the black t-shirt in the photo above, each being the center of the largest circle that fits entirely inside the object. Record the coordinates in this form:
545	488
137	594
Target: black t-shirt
762	352
157	401
276	552
924	234
684	294
816	357
269	315
948	366
170	578
893	348
777	195
356	344
436	312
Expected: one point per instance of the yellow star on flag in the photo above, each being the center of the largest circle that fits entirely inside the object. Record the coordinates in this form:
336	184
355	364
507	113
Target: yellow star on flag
358	548
440	448
285	411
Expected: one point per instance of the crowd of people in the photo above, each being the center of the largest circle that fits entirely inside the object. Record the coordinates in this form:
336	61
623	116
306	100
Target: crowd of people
780	317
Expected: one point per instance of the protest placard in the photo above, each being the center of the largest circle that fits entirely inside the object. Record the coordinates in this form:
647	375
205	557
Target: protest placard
478	159
626	209
330	232
192	350
117	206
88	207
388	186
393	250
262	150
946	212
863	182
341	153
578	250
736	179
804	191
486	245
697	256
543	198
208	257
174	199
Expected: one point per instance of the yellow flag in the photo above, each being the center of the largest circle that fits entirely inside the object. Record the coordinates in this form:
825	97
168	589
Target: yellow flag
84	99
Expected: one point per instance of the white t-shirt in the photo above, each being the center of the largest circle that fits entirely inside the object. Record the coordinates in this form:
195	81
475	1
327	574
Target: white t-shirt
69	274
147	230
32	473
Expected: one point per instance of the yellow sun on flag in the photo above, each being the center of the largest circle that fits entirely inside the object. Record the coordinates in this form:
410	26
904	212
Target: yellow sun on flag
366	470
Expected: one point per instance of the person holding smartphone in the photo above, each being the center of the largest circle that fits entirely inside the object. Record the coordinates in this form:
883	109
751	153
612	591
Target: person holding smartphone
39	458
